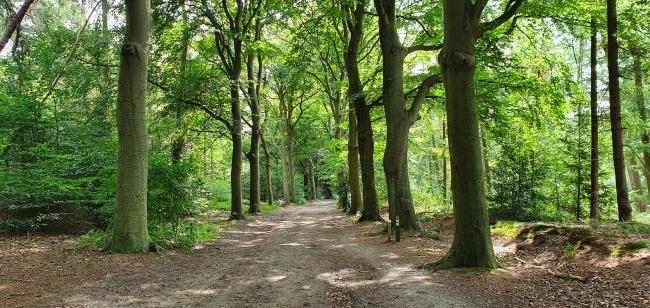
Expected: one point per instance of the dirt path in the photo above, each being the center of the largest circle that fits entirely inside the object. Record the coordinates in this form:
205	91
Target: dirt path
305	256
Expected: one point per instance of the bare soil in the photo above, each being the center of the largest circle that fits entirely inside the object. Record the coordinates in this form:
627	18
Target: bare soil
310	256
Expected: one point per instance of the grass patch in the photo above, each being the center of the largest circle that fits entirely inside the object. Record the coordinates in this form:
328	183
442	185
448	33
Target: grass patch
631	247
266	208
430	233
571	249
634	227
508	229
186	235
220	205
94	240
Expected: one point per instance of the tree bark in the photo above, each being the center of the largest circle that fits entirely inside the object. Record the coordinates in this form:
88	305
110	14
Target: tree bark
398	120
267	166
356	95
622	197
254	83
353	164
15	23
130	234
594	212
472	244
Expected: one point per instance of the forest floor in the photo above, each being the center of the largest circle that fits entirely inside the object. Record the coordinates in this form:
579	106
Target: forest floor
316	256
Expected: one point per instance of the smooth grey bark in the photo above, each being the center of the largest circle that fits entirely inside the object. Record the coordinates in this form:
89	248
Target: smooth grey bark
130	234
622	196
594	198
15	23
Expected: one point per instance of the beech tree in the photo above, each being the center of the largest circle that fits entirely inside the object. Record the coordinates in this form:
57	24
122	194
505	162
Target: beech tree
472	245
399	118
130	232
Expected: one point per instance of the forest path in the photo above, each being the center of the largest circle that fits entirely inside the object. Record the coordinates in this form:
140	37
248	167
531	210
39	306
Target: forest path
302	256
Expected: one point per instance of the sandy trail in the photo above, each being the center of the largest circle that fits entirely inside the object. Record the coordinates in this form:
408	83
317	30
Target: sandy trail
304	256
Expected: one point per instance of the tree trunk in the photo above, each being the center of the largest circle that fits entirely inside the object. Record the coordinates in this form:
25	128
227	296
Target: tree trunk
637	188
130	234
254	104
640	102
397	120
472	245
486	163
594	212
353	164
622	198
444	163
15	23
357	96
267	166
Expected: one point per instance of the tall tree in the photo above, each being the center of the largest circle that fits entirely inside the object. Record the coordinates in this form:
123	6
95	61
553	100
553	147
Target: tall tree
354	23
622	196
254	91
130	234
399	118
594	212
472	245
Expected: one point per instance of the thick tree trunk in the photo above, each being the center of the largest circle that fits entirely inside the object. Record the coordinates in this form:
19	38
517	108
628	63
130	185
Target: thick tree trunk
486	163
130	234
594	212
622	197
15	23
356	95
472	245
640	102
444	163
353	164
397	120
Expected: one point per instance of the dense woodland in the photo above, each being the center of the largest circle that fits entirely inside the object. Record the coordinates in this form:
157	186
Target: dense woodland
136	121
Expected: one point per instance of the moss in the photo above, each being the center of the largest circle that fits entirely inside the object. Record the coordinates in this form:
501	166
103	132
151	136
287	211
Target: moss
507	229
631	247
